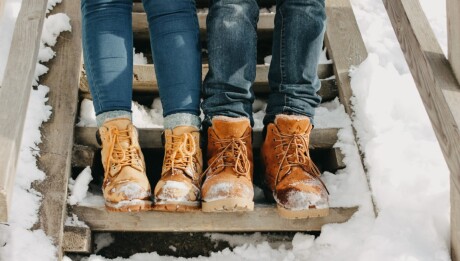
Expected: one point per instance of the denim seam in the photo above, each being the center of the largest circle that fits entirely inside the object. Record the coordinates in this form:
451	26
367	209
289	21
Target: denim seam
282	60
96	90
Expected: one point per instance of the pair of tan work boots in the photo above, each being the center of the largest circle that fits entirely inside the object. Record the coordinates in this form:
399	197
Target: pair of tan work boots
290	174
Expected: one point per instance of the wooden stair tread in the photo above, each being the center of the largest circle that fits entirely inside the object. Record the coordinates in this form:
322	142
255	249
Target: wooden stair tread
140	24
145	80
263	218
151	138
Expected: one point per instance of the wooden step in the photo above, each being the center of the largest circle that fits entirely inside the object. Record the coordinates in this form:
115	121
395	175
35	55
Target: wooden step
141	27
145	81
151	138
263	218
77	239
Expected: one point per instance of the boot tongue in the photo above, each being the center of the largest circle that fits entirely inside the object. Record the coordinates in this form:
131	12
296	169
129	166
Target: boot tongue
121	124
179	130
292	124
226	127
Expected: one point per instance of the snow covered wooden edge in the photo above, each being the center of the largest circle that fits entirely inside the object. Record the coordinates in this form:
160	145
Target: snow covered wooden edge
438	88
144	80
15	92
263	218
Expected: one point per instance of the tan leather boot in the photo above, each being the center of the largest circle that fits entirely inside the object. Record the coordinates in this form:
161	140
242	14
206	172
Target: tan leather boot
179	186
126	187
289	171
228	185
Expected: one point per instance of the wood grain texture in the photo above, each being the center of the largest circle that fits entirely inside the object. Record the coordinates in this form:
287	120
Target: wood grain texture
56	149
140	24
438	88
346	48
263	218
77	240
453	35
15	92
151	138
344	44
145	81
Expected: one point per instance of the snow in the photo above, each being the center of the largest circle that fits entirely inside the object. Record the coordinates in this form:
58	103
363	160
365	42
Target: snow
102	240
404	164
79	187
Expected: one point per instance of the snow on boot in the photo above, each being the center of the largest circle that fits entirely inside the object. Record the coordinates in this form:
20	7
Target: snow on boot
126	187
228	185
290	174
179	186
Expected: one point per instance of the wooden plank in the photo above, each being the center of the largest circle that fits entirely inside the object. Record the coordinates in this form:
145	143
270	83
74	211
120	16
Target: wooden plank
140	24
263	218
438	88
56	150
453	35
145	81
151	138
344	44
15	92
454	220
346	48
77	240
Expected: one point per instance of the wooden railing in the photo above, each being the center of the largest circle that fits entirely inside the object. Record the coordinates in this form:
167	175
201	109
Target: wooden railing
15	92
435	77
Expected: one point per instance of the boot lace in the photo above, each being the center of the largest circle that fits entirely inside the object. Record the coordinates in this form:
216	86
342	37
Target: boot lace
232	153
121	151
295	153
180	154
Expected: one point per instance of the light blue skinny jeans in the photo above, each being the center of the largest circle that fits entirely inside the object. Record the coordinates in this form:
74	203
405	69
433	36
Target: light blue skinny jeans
108	54
232	47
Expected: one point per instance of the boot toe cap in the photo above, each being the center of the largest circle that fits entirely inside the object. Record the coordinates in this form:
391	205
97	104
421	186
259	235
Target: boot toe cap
127	191
224	190
176	191
302	196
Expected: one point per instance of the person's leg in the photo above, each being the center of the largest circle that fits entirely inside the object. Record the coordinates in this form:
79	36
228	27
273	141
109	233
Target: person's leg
107	46
228	97
108	54
290	173
232	49
176	51
297	44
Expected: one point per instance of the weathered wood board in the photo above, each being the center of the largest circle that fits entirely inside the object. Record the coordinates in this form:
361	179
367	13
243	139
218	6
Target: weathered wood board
263	218
56	149
145	81
15	91
438	88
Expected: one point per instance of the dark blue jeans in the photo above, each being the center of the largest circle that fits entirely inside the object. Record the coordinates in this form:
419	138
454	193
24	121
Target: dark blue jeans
108	53
232	46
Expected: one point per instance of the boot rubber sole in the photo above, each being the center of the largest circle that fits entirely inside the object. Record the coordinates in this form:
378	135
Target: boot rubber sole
129	206
228	205
303	213
176	206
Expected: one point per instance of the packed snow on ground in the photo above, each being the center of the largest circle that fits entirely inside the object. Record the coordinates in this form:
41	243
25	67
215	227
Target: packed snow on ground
405	167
